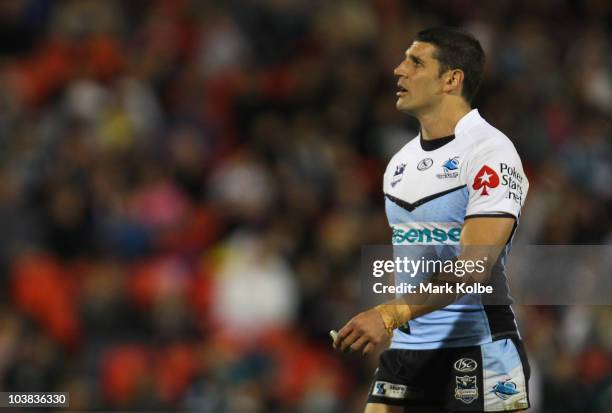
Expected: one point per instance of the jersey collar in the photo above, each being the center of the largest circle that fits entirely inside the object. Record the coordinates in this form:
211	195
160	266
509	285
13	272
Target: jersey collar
434	144
467	121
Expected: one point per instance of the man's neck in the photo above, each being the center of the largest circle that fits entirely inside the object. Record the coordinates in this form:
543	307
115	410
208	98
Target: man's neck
441	121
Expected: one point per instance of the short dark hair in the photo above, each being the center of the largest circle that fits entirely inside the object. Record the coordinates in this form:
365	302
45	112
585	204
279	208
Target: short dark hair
456	49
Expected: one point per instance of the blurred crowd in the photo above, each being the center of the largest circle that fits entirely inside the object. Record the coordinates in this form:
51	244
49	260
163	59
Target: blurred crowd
185	187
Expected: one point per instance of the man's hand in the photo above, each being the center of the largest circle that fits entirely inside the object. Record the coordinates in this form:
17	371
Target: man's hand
364	331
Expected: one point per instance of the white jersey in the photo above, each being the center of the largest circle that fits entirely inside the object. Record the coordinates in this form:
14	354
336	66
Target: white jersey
430	188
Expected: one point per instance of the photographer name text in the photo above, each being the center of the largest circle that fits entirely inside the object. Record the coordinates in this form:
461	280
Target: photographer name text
427	288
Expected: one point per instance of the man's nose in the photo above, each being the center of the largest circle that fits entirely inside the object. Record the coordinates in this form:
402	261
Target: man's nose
400	70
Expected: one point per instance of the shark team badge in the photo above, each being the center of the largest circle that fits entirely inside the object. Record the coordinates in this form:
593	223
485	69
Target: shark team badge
450	168
505	389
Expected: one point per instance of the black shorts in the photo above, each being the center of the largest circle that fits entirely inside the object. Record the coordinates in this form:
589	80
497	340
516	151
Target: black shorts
492	377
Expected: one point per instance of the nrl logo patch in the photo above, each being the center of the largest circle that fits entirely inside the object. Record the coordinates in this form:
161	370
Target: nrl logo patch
399	174
466	389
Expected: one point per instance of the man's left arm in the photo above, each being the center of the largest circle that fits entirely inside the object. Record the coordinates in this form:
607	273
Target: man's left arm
480	237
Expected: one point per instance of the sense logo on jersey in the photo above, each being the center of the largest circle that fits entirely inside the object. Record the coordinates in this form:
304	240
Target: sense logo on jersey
485	178
421	236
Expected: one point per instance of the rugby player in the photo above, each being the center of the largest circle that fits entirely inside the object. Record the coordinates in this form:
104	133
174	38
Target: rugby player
460	182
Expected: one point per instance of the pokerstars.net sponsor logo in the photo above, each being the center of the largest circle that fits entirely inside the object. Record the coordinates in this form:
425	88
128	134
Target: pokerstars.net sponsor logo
487	178
514	180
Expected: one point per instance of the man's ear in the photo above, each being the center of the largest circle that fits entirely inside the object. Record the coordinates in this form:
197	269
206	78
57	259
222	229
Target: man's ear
453	81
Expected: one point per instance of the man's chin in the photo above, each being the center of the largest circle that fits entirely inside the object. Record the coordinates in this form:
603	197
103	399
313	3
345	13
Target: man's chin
402	106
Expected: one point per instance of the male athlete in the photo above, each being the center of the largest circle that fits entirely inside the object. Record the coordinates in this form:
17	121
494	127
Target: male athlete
460	183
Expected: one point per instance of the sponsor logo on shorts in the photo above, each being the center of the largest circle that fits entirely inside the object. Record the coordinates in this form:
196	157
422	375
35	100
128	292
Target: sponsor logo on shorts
505	389
395	391
425	164
466	389
465	365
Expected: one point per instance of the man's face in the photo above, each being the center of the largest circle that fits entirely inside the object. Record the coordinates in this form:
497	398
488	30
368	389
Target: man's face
419	86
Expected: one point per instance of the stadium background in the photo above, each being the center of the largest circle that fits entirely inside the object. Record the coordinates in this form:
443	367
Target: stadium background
186	185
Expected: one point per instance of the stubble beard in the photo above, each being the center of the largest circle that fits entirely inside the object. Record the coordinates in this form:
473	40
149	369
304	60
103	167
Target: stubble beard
403	108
